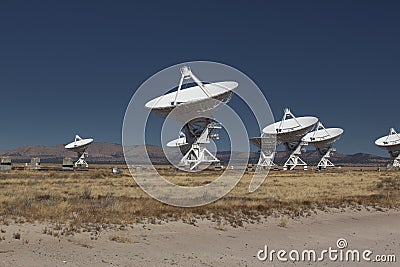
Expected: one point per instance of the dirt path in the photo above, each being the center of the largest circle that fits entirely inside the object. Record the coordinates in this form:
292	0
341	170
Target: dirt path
206	244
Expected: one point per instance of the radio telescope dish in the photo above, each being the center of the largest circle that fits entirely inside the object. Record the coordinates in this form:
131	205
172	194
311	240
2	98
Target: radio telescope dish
192	95
290	131
322	139
193	100
391	143
199	102
179	142
80	146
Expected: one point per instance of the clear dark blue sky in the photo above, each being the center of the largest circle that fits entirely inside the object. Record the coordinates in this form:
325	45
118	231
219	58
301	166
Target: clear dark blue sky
72	66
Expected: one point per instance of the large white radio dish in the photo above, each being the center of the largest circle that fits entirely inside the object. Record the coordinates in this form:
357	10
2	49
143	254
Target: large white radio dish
322	139
220	91
391	143
199	102
193	100
291	130
80	146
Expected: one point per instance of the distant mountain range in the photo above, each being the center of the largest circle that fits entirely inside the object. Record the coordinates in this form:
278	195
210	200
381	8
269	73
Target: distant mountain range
113	153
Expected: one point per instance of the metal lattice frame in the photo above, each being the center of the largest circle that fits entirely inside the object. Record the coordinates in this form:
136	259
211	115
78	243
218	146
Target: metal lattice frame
396	160
198	153
325	162
294	159
81	161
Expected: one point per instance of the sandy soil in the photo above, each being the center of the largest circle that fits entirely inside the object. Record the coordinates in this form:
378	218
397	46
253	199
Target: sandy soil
206	244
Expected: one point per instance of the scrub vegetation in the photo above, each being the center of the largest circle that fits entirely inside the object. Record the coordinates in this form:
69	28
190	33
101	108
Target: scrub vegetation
75	201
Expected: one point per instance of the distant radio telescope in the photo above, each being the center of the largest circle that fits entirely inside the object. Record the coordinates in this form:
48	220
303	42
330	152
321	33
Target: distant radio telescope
322	139
391	143
80	146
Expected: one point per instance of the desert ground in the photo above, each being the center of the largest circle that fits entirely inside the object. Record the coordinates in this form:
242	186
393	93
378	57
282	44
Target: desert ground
96	218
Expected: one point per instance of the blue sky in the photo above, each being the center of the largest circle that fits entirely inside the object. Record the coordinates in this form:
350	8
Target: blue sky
71	67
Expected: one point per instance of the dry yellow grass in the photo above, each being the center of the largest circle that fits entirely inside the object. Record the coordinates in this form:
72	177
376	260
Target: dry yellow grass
98	197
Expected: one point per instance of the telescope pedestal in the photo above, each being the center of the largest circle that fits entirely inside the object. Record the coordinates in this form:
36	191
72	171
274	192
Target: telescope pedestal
325	162
294	159
267	145
396	161
81	161
198	153
266	160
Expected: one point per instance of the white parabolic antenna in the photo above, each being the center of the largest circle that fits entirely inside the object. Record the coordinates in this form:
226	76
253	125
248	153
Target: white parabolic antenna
194	107
288	131
80	146
291	130
391	143
179	142
200	97
192	101
322	139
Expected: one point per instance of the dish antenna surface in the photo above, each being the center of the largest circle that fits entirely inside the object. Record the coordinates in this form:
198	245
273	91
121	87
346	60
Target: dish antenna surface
194	107
391	143
322	139
289	131
80	146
